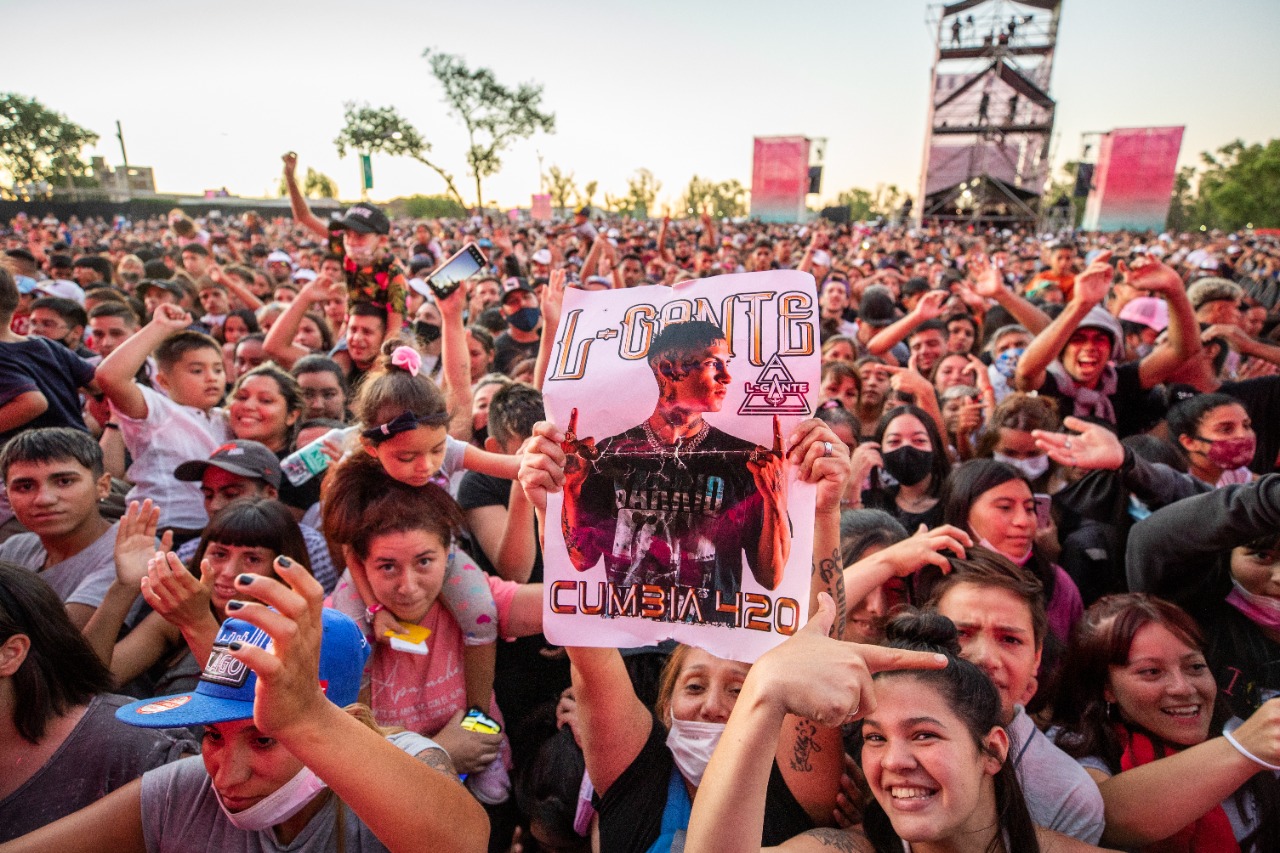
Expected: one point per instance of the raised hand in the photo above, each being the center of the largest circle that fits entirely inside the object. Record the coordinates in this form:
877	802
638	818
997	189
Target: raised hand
172	318
823	460
1094	447
290	160
136	542
177	596
1094	283
542	463
930	305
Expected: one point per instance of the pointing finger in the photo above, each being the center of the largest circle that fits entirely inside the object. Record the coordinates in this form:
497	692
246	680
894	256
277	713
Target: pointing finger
880	659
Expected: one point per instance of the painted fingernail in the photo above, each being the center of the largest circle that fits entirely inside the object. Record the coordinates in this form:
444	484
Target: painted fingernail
244	580
235	645
234	605
285	562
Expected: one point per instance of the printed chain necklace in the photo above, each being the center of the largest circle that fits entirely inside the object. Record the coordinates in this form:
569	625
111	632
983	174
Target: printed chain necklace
681	446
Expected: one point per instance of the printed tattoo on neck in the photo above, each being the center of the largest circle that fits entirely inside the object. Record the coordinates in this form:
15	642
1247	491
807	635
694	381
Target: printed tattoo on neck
805	746
831	573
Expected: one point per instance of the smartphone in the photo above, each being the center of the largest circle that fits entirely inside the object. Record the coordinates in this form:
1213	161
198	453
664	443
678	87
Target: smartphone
478	721
1043	504
450	275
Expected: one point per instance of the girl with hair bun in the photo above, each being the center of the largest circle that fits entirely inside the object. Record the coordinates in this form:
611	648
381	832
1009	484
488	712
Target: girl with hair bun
405	439
934	749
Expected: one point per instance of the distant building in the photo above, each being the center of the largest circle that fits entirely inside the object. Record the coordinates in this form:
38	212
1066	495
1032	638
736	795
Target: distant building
124	182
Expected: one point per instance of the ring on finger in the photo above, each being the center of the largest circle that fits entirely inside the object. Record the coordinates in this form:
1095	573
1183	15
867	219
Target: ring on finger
826	448
1067	444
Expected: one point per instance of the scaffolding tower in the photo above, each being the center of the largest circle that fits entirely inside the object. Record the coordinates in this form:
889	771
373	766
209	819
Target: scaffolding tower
987	142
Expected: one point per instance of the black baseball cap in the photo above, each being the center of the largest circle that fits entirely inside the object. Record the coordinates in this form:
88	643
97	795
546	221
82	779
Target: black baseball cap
366	218
244	458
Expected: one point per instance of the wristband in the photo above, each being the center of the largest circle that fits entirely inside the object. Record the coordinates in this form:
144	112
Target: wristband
373	609
1231	739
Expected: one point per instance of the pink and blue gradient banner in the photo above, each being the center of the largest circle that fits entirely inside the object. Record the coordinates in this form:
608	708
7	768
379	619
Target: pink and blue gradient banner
779	178
1133	181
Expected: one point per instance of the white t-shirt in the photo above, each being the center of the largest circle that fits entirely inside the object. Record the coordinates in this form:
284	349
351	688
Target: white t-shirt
170	435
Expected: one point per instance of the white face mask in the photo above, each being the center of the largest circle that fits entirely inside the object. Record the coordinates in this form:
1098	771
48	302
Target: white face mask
691	744
278	806
1032	468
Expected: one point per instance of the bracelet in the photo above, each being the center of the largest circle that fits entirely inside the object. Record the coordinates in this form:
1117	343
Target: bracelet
1247	754
373	609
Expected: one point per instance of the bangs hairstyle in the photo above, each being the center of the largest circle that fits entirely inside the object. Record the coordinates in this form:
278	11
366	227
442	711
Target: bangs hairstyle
389	391
362	502
987	568
173	348
941	465
254	523
61	670
52	444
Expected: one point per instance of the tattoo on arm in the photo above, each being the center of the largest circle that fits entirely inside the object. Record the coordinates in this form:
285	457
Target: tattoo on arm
831	573
439	759
805	746
833	839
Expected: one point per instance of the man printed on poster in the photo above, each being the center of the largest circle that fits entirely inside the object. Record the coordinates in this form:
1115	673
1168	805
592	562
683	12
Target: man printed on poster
673	519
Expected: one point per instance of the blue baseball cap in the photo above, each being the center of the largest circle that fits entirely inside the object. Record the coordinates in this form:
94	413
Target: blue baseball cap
226	688
26	284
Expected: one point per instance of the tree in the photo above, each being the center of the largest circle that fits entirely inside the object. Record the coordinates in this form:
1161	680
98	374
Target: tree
864	204
427	207
38	144
586	198
727	199
561	185
1240	185
1183	203
382	130
314	185
493	115
642	192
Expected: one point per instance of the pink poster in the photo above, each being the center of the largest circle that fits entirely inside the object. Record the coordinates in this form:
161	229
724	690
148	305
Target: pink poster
704	535
1133	180
779	178
541	207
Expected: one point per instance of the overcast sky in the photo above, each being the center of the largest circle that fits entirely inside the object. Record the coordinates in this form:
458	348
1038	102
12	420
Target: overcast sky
211	94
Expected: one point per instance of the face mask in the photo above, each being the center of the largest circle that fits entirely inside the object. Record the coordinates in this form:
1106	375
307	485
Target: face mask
1262	610
526	319
278	806
1007	363
1032	468
691	744
1019	561
1230	453
908	465
426	332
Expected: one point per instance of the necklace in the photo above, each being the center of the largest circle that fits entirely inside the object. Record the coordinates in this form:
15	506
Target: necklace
681	446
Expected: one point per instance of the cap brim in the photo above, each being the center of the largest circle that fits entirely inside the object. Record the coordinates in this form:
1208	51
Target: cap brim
183	709
359	225
193	471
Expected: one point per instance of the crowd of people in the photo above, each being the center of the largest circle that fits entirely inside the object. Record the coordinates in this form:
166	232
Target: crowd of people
1046	564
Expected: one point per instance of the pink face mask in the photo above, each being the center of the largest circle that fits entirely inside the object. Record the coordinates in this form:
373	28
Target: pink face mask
1262	610
1230	453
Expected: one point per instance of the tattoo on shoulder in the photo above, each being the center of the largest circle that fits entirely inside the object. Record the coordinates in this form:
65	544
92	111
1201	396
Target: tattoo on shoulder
439	759
833	839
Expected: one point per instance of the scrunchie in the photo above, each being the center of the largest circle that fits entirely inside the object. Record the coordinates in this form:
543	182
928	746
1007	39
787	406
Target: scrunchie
407	358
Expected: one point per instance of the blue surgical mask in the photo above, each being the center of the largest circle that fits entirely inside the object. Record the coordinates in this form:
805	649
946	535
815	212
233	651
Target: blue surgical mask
526	319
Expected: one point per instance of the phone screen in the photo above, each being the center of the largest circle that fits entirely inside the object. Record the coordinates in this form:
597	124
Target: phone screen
1043	504
456	270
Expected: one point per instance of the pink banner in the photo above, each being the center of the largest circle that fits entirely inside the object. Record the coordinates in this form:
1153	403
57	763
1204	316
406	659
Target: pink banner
779	178
1133	180
541	207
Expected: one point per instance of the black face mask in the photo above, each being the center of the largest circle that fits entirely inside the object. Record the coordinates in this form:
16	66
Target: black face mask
426	332
908	465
